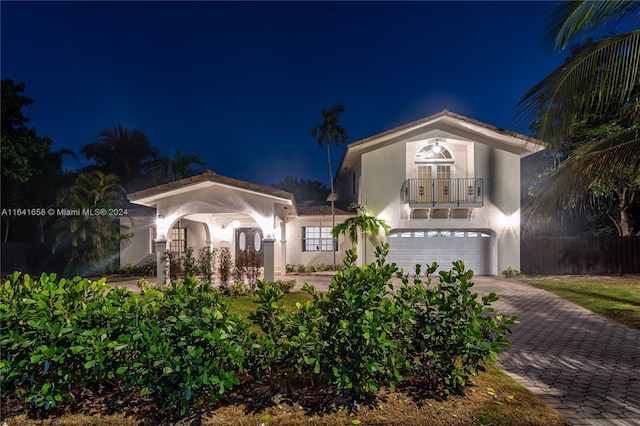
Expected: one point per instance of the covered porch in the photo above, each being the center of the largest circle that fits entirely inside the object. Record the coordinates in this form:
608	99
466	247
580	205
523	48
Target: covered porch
214	211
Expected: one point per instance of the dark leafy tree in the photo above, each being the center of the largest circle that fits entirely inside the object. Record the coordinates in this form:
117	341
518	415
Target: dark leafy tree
303	189
126	153
31	172
21	146
330	132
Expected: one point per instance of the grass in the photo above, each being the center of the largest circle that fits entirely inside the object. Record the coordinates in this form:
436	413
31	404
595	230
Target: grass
244	306
617	298
493	399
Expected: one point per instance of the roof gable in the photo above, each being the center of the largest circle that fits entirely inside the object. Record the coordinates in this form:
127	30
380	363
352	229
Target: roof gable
150	196
450	122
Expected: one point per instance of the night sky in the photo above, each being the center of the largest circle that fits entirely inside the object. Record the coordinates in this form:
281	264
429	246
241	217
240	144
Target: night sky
242	84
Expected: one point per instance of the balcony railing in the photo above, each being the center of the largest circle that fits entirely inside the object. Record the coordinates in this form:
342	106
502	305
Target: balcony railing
443	193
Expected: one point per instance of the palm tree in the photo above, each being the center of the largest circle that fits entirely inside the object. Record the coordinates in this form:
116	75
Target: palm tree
123	152
330	131
179	167
597	88
90	232
363	222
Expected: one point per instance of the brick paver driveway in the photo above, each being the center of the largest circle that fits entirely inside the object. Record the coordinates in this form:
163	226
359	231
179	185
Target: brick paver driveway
584	365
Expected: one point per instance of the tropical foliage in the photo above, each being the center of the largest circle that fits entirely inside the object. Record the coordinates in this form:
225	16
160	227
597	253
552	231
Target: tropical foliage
87	222
181	344
126	153
587	110
362	222
168	169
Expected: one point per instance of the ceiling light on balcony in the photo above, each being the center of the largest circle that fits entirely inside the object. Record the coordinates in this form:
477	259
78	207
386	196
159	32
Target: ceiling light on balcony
437	148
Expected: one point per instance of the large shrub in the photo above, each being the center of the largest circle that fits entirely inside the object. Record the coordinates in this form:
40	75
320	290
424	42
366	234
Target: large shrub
55	334
360	335
190	346
180	343
177	343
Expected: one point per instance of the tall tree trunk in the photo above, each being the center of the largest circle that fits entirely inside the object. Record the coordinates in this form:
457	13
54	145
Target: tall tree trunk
626	196
625	226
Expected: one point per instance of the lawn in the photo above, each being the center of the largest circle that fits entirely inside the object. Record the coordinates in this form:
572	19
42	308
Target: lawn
492	399
244	306
614	297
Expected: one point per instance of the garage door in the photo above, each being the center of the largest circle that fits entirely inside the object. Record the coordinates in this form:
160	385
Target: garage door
408	248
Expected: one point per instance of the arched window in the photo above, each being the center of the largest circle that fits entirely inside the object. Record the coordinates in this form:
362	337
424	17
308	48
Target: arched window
432	152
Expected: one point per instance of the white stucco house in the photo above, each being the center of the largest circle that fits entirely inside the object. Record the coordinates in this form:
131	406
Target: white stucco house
448	185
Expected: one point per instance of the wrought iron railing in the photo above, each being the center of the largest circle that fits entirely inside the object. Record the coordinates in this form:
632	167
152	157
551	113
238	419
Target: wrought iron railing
459	192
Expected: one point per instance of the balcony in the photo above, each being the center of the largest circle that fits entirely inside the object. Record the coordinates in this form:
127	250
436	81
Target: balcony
465	193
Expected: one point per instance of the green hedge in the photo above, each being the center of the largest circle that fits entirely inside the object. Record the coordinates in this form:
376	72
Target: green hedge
175	343
180	344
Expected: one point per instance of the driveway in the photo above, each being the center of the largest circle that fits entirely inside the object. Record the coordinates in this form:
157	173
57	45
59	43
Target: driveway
585	366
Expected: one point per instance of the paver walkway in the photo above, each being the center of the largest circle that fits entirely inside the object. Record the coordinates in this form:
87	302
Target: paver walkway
585	366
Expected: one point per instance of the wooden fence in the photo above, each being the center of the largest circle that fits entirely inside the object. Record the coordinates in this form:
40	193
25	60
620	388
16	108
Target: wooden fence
580	255
30	258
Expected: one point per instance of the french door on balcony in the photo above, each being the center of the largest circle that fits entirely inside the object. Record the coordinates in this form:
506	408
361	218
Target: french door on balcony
434	183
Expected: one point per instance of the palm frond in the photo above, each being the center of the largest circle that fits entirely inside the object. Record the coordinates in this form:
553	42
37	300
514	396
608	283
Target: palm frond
329	130
602	73
604	158
572	19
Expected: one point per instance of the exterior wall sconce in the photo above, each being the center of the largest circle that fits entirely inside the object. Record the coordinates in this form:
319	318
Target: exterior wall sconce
160	215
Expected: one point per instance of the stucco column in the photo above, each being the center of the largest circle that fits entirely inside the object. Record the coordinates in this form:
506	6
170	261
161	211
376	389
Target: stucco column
269	258
161	264
283	248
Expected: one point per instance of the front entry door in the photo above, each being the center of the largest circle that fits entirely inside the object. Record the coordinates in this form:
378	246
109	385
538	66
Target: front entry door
251	239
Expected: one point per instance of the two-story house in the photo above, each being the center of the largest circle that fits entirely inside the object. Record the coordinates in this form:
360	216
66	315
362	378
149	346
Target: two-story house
448	185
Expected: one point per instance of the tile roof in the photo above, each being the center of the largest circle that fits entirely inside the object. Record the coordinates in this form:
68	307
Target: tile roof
210	177
314	208
448	114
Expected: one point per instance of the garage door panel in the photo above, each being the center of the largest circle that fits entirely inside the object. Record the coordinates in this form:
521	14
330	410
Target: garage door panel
408	248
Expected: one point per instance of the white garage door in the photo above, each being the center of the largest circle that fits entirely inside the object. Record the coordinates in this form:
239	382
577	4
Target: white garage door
408	248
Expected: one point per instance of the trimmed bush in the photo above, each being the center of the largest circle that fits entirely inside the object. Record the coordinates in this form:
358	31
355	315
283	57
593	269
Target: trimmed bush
177	343
180	344
360	335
